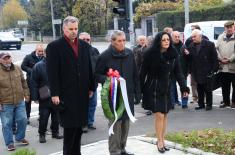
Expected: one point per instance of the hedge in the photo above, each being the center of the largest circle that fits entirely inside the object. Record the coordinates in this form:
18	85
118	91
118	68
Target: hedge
176	20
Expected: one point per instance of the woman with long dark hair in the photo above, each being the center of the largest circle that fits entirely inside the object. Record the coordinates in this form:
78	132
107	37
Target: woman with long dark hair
159	64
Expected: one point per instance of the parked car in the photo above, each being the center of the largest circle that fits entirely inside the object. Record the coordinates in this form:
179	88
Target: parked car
8	40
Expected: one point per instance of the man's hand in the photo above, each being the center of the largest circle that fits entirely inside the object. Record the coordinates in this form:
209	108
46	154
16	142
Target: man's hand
185	94
55	100
91	94
225	61
27	98
186	52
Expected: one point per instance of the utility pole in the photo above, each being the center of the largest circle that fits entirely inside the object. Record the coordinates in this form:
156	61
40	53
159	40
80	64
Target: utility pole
186	11
131	26
52	20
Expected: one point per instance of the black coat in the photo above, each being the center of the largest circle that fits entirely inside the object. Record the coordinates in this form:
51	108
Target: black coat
71	79
203	62
29	61
183	60
94	57
138	55
124	63
156	74
39	79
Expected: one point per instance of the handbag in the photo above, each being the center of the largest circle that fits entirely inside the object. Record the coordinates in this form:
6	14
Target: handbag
213	81
44	93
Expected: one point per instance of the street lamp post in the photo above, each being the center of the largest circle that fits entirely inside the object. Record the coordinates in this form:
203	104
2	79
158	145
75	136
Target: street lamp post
131	28
186	11
52	20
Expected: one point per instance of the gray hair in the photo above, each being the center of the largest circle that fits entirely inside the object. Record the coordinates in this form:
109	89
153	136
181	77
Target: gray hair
197	32
84	33
116	33
70	19
174	33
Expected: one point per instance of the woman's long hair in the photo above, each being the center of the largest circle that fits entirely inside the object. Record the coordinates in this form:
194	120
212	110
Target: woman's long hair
156	45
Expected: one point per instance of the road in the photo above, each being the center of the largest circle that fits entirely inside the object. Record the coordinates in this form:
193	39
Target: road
179	119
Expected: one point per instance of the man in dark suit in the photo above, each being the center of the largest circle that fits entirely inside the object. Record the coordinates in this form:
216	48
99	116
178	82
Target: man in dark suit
71	83
29	61
203	57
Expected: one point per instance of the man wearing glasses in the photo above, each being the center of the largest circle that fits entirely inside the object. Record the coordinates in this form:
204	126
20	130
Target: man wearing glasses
94	53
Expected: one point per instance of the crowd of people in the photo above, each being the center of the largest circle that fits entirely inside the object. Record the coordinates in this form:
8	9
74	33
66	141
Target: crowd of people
63	78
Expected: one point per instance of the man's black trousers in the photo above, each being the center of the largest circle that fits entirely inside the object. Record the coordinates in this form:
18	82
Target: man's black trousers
72	141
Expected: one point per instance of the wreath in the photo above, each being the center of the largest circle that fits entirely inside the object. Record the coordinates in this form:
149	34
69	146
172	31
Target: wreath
105	102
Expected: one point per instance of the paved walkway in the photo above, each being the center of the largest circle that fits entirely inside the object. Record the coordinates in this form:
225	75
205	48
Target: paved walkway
134	145
140	145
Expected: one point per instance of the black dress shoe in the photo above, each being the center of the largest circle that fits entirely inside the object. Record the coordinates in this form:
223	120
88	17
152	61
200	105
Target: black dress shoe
127	153
208	108
57	136
148	112
199	108
42	139
184	107
224	105
91	127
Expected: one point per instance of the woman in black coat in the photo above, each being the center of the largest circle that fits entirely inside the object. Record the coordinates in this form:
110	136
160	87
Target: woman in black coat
159	65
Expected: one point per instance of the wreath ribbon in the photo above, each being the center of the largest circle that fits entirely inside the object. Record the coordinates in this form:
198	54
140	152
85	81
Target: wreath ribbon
112	83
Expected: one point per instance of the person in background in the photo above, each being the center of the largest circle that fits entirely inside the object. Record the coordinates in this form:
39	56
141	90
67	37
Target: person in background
28	62
160	63
168	30
13	91
184	66
149	41
192	79
71	82
39	80
139	50
93	100
202	54
138	55
120	58
226	53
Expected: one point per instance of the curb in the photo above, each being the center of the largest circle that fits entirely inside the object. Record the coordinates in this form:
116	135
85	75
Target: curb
176	146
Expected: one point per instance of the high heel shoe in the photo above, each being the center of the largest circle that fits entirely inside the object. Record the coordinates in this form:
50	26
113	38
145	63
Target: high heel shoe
166	148
161	150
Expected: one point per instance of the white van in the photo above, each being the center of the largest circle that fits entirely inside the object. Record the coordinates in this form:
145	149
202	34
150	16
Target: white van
211	29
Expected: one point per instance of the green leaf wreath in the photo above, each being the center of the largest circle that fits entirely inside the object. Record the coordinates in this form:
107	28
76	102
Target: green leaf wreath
105	102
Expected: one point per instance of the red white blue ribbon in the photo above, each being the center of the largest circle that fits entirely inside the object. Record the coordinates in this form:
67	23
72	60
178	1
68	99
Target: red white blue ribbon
115	77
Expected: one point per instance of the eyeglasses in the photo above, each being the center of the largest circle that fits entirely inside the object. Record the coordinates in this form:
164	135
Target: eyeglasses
86	39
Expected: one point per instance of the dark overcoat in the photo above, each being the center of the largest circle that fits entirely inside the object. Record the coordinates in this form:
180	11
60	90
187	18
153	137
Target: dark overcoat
204	61
27	64
156	74
125	64
70	78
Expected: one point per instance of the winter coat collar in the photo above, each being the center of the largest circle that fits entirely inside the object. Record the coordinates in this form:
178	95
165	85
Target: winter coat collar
171	53
228	39
12	67
117	54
